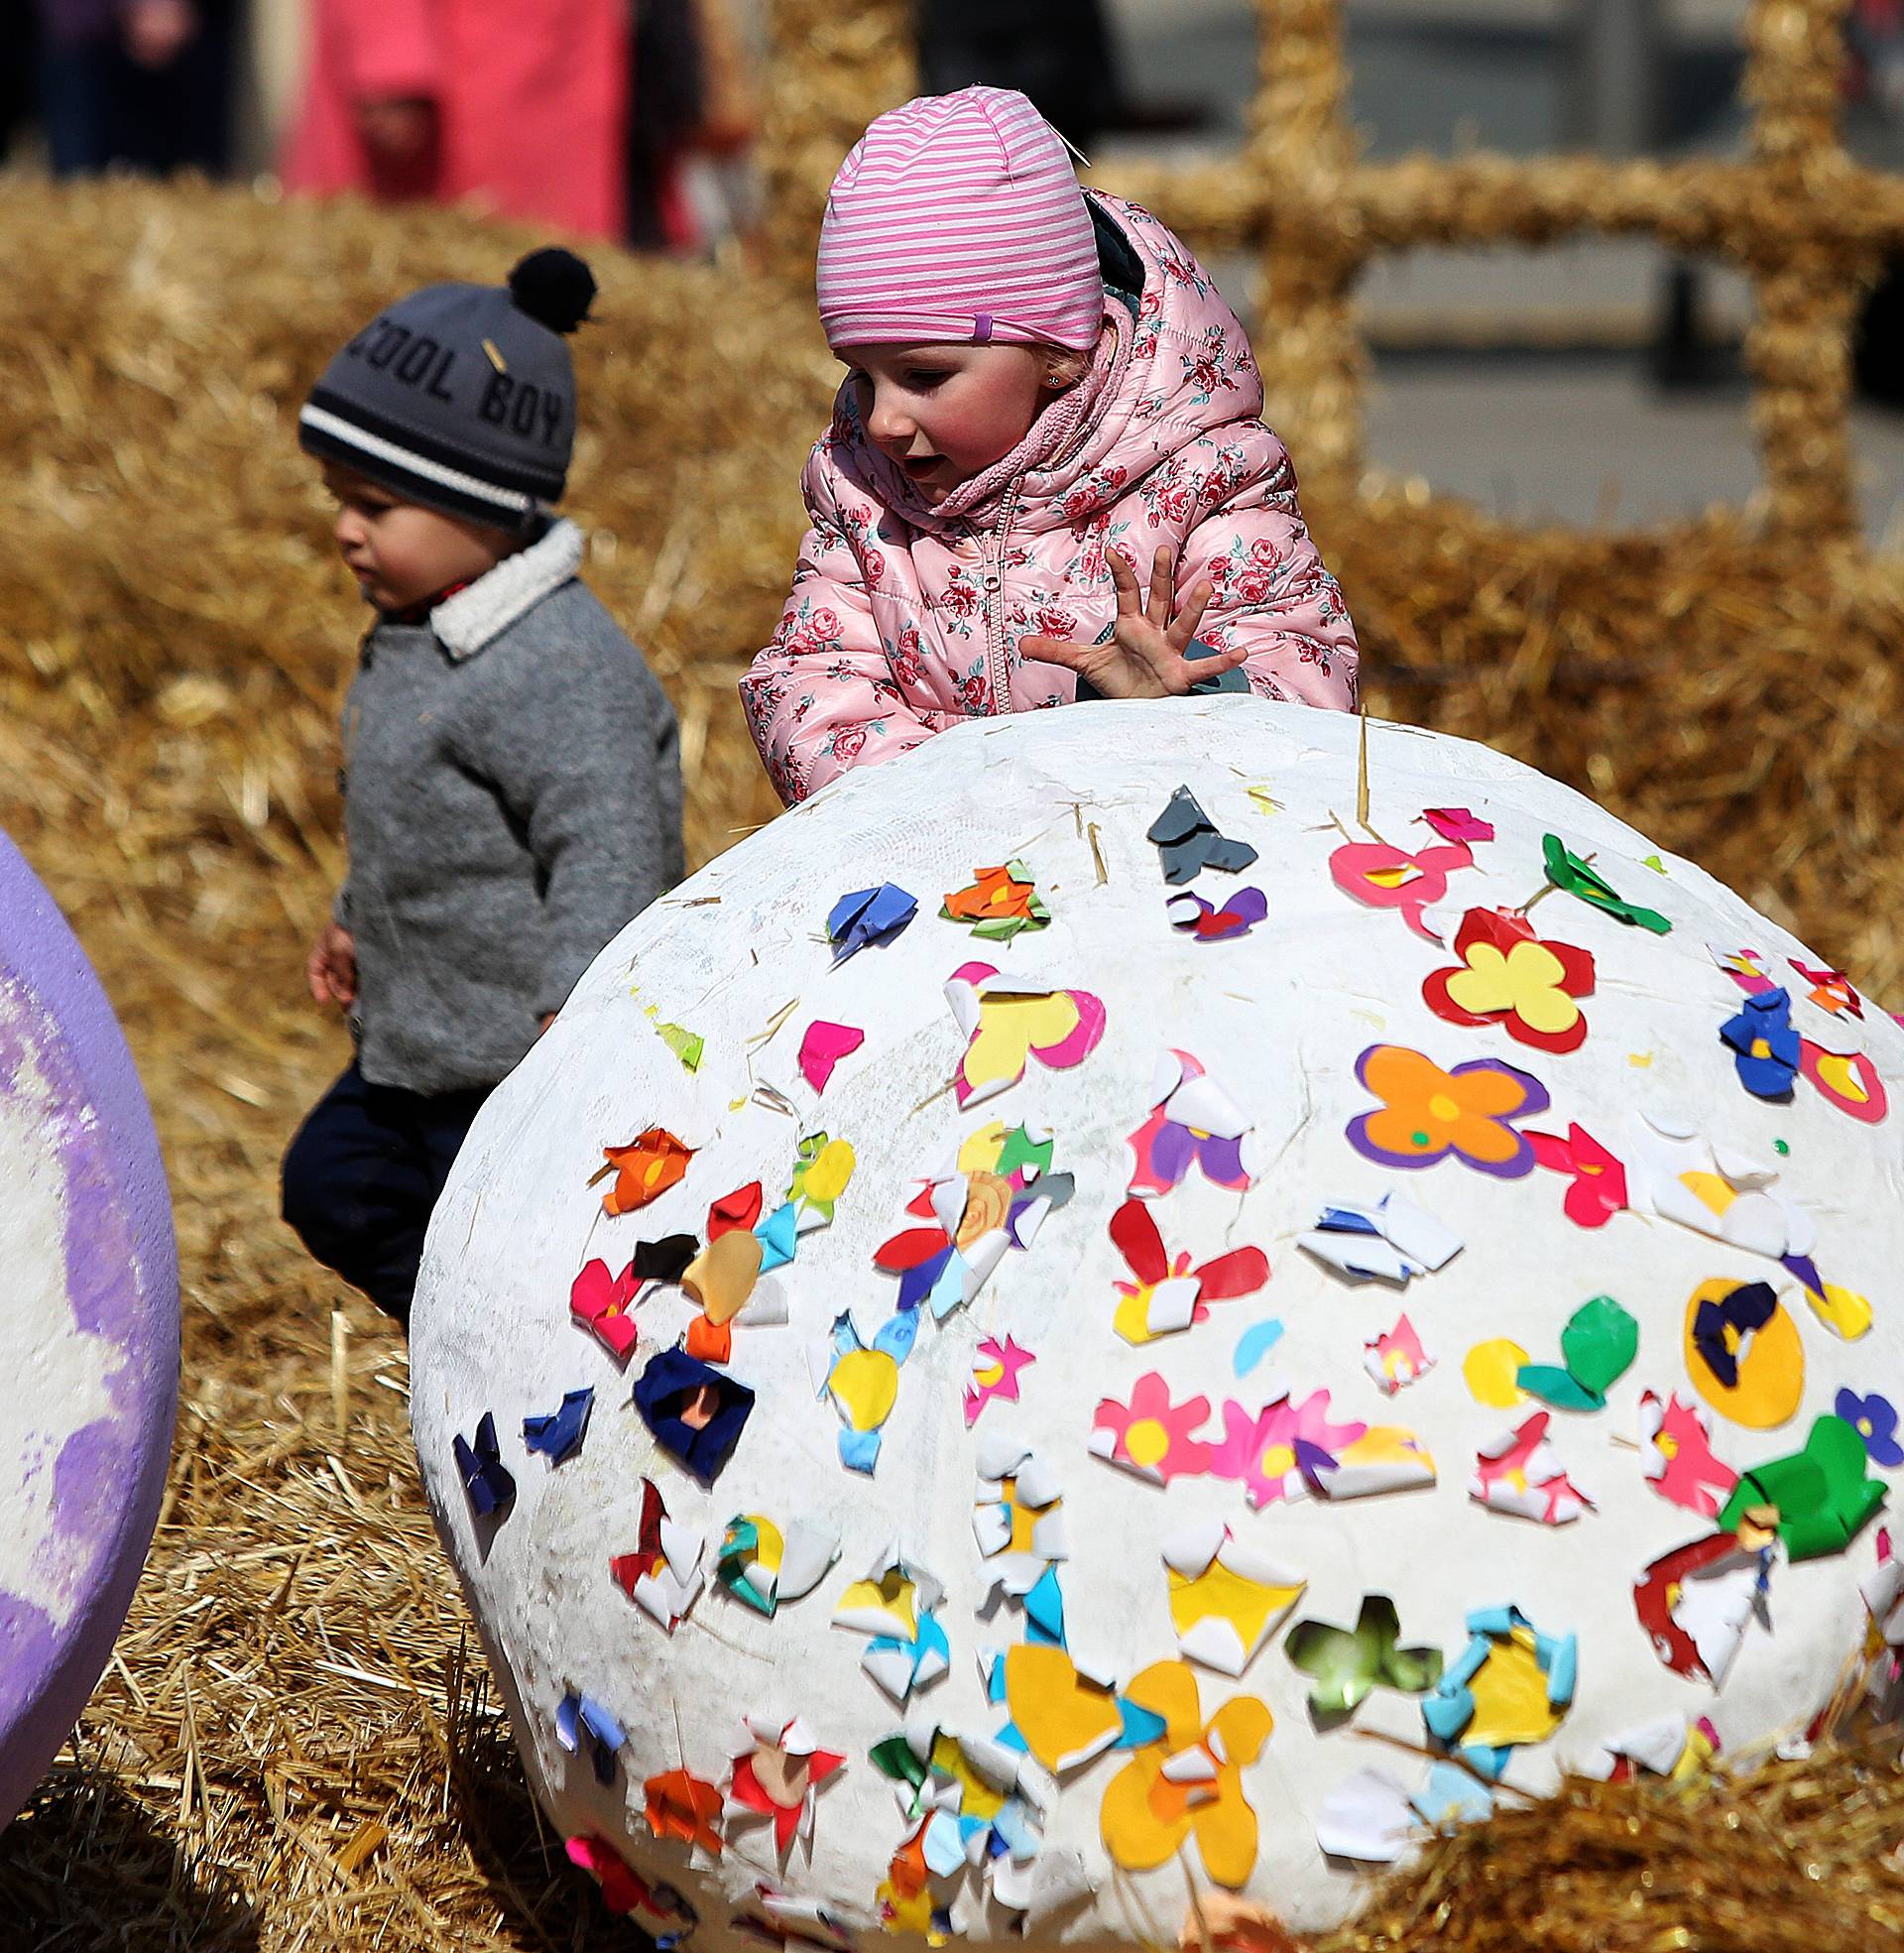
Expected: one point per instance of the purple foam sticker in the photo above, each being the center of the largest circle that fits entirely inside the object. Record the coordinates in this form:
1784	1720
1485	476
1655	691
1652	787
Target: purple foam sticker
90	1338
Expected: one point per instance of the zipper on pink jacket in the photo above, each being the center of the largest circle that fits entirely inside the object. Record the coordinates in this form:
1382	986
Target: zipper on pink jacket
997	670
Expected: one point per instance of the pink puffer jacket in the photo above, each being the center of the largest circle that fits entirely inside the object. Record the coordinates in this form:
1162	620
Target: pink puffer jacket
905	620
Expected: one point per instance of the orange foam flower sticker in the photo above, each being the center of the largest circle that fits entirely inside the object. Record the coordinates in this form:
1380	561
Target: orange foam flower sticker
645	1169
680	1805
1427	1113
998	903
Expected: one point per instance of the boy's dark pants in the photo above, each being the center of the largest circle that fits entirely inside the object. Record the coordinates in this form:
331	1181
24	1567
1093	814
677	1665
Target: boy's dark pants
362	1175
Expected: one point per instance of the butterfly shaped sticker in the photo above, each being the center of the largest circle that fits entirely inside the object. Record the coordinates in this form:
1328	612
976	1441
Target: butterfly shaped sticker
1006	1024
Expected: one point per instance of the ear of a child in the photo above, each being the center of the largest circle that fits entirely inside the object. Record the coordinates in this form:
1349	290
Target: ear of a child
1064	368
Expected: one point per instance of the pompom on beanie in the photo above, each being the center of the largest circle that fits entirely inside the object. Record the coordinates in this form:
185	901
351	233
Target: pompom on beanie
955	218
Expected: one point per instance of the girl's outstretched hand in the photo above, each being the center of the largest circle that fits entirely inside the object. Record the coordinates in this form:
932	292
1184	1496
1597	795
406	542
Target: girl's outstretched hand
1145	656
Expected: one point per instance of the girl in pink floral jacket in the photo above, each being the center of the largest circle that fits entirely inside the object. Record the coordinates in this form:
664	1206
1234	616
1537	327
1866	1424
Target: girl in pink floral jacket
1047	399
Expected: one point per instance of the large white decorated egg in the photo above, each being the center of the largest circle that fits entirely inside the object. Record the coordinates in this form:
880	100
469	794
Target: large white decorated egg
1035	1302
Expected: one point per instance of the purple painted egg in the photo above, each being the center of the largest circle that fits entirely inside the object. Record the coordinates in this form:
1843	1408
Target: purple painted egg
88	1331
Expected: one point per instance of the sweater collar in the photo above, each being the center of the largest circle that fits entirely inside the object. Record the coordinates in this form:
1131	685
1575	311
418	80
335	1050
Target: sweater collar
482	611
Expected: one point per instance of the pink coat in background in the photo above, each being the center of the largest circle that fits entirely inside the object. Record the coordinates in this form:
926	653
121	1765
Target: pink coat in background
905	620
532	104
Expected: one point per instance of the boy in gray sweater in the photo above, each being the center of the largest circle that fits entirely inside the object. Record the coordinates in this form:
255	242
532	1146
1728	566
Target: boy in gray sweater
512	768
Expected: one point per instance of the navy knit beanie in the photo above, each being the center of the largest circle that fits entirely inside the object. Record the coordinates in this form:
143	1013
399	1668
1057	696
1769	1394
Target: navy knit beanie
461	397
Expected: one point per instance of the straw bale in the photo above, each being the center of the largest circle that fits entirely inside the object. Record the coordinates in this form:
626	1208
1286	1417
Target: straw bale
295	1747
836	68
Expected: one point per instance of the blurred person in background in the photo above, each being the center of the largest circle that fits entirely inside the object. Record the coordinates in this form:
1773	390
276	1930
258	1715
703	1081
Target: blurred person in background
1876	82
137	84
20	34
1876	35
521	110
1057	51
693	119
1062	54
665	62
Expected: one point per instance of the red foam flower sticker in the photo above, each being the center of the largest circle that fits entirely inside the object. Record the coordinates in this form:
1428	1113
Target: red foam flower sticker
1598	1191
628	1569
1166	1287
1831	990
1509	976
734	1211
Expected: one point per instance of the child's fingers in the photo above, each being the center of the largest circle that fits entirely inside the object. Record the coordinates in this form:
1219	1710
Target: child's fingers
1201	669
1158	610
1056	651
1126	578
1191	615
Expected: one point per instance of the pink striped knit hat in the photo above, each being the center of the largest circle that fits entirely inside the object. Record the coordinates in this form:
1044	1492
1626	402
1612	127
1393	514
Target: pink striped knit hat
956	218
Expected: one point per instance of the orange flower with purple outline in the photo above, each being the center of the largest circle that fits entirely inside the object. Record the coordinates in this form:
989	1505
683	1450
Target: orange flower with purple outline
1427	1113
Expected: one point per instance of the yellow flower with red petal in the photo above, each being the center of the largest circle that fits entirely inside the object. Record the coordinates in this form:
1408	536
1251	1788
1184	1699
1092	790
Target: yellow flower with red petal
1509	976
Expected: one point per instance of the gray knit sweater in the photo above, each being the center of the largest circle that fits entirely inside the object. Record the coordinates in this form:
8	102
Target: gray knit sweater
513	796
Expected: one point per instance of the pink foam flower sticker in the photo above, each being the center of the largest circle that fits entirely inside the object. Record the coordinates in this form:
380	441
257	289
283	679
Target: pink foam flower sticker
1193	1123
995	1374
1677	1449
1152	1436
600	1302
624	1889
1458	825
1746	967
1520	1473
1845	1080
1386	877
1396	1357
1283	1450
823	1046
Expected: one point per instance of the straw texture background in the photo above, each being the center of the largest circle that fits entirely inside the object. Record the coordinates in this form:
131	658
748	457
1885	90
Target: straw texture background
294	1748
